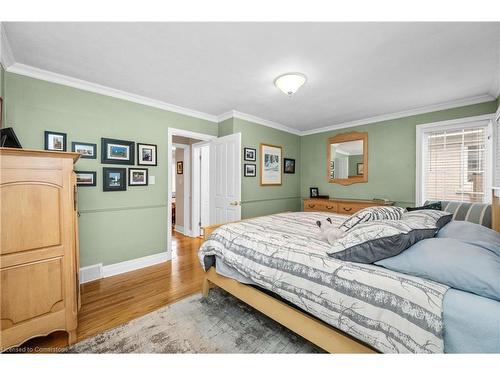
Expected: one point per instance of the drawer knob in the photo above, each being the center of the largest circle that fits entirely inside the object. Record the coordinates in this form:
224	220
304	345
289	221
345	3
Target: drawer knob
347	209
311	205
329	207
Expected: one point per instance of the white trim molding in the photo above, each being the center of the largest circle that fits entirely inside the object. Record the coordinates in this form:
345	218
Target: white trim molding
6	55
61	79
408	113
258	120
481	120
98	271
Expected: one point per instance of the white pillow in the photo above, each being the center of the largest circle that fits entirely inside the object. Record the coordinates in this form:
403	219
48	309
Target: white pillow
372	213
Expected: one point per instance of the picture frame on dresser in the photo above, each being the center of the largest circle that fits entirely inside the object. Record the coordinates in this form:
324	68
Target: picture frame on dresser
117	151
55	141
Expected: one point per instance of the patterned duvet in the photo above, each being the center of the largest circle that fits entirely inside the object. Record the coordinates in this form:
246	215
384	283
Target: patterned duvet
283	253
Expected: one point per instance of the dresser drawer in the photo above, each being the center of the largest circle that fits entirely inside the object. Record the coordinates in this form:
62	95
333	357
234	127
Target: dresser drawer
348	208
320	205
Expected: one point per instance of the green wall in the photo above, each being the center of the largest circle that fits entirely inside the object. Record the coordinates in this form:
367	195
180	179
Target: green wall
114	226
259	200
391	156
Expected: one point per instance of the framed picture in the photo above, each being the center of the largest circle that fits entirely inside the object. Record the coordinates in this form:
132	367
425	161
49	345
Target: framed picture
114	179
360	168
288	165
250	170
313	192
86	150
137	177
55	141
117	151
146	154
86	178
180	167
270	164
250	154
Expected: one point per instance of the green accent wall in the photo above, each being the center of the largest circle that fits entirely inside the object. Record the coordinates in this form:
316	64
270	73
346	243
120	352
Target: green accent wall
391	156
114	226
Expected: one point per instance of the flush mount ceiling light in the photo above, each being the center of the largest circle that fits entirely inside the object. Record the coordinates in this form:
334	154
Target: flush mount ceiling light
289	83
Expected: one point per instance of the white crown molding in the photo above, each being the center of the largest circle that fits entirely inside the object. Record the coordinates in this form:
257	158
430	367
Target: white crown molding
408	113
6	55
61	79
258	120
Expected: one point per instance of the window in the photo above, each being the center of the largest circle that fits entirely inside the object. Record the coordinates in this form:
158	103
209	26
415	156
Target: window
454	162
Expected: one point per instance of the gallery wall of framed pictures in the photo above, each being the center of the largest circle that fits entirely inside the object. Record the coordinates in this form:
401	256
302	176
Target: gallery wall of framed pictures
113	151
271	164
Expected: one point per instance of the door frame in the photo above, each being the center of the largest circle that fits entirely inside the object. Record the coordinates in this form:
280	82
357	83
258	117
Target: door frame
196	203
186	184
170	133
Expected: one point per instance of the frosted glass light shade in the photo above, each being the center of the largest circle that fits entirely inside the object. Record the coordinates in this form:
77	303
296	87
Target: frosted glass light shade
289	83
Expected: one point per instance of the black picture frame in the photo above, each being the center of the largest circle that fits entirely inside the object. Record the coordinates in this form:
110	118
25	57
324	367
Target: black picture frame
48	133
94	178
84	156
313	192
290	170
180	167
131	180
358	167
108	159
247	170
107	184
247	154
140	157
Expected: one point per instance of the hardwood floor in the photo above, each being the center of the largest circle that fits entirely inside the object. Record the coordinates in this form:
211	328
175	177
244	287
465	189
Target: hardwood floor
109	302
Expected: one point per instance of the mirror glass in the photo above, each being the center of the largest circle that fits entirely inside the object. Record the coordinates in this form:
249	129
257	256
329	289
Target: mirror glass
347	159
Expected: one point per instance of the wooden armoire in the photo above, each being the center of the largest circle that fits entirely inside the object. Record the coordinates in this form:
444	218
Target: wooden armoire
39	260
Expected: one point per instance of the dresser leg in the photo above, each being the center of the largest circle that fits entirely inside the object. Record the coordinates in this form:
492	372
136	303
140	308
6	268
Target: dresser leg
71	337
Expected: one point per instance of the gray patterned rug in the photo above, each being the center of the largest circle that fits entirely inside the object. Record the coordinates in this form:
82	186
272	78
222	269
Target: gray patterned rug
220	324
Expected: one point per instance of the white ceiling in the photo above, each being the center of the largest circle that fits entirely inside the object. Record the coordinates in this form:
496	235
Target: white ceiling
355	70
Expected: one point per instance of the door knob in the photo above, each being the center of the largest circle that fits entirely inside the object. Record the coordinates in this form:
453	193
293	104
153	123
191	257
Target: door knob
235	203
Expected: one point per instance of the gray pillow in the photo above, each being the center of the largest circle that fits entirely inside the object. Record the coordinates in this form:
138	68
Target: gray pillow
472	233
452	262
372	213
379	239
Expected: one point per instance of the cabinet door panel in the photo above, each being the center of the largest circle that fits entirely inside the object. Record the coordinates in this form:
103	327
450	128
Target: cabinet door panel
31	217
31	290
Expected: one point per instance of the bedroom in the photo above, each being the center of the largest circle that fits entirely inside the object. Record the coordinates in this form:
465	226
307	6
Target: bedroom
263	187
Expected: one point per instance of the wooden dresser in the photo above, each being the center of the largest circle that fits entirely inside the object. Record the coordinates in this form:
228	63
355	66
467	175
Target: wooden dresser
39	259
341	206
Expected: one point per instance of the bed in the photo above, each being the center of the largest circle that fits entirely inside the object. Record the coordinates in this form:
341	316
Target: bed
278	265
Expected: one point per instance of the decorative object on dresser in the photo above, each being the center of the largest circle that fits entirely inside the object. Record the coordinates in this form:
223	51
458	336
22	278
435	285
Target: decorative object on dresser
86	178
114	179
341	205
8	138
249	154
289	166
86	150
146	154
347	158
313	192
117	151
250	170
270	164
137	177
55	141
39	260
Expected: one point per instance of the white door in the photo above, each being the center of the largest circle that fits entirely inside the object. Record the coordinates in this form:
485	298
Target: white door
201	187
225	179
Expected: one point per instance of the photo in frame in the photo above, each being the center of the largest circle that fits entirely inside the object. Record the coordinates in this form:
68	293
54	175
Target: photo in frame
86	150
313	192
249	154
250	170
55	141
146	154
289	166
270	164
117	151
180	167
137	177
114	179
86	178
360	168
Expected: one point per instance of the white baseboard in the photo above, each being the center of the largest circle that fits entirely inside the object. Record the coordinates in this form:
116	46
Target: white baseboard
98	271
179	229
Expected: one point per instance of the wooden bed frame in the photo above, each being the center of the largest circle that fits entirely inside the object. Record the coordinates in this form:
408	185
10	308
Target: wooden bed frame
321	334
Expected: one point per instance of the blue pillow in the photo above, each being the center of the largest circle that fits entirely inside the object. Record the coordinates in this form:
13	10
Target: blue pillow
472	233
452	262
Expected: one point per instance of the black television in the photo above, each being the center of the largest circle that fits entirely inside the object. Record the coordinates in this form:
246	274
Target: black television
9	139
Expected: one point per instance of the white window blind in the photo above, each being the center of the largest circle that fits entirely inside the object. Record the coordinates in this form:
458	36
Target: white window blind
455	164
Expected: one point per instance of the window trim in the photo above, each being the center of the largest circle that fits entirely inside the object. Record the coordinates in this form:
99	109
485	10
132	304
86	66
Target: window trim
468	122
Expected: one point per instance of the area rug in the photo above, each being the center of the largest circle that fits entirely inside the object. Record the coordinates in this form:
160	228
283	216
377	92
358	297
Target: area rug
218	324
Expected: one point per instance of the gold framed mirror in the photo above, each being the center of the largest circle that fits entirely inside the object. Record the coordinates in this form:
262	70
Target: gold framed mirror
347	158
